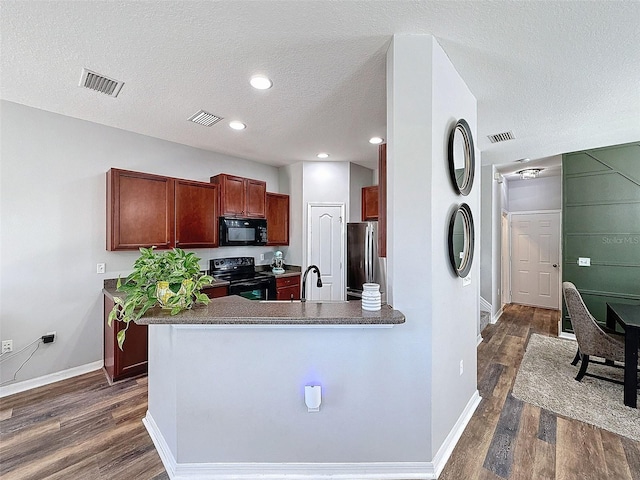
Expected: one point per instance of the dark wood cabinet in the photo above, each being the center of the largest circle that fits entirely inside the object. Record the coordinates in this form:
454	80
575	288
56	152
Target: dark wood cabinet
140	210
288	288
241	197
132	359
277	219
216	292
196	206
370	203
145	210
382	200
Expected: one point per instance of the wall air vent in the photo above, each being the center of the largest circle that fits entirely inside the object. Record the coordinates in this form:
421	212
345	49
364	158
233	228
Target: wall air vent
100	83
204	118
501	137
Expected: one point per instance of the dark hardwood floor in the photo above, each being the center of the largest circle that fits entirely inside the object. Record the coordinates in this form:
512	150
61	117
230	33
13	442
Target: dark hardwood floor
84	429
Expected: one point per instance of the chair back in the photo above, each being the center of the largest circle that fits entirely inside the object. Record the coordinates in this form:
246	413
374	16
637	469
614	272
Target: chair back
585	327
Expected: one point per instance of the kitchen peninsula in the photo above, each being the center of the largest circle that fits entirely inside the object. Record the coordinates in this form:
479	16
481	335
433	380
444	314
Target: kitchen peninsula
226	383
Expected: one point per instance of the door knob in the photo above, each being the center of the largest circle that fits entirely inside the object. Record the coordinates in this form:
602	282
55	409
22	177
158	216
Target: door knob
555	265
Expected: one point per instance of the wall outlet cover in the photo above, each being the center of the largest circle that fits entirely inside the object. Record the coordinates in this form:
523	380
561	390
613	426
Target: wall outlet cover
584	261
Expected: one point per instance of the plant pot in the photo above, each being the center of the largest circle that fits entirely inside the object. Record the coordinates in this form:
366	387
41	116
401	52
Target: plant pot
164	293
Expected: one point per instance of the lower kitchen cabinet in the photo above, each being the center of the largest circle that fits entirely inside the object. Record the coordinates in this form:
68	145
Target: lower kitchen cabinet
216	292
132	360
288	288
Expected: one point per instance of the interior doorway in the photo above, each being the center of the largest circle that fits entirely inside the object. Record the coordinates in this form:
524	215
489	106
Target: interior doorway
325	248
535	259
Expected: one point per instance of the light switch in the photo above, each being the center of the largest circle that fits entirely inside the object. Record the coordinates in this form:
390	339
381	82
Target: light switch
584	261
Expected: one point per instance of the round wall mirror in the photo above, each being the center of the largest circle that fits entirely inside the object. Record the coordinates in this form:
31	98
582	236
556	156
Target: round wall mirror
461	240
462	160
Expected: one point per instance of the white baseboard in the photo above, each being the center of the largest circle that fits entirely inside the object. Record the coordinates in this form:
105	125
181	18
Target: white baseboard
51	378
567	336
497	316
311	471
443	454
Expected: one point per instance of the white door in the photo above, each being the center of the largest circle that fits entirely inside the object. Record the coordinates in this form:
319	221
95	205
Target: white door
325	240
535	261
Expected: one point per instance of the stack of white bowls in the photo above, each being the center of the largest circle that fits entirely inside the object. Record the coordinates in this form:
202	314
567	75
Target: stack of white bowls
371	298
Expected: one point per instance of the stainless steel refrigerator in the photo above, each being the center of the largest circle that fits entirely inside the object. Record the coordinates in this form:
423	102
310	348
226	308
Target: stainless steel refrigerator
363	263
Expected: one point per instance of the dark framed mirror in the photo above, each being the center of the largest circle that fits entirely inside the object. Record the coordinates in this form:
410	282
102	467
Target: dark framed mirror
461	240
462	158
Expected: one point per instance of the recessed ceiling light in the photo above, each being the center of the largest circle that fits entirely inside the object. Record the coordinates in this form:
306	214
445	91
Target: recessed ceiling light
376	140
260	82
236	125
323	155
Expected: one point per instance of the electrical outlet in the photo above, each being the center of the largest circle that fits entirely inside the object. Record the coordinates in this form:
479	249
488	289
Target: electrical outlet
584	261
49	337
7	346
461	367
262	256
100	268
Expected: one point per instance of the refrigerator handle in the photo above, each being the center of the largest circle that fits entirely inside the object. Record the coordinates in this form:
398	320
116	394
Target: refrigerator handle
366	254
369	253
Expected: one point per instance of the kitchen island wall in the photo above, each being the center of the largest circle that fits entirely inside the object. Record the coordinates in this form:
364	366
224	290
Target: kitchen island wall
53	229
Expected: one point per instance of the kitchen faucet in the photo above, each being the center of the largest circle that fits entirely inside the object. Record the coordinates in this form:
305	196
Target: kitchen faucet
304	281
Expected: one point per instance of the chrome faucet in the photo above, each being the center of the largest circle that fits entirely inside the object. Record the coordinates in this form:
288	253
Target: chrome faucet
303	297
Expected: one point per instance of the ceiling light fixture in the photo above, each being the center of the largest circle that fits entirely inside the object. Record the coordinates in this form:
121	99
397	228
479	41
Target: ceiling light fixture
376	140
260	82
529	173
323	155
236	125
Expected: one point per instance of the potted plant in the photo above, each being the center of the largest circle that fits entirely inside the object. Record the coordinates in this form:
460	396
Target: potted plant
171	279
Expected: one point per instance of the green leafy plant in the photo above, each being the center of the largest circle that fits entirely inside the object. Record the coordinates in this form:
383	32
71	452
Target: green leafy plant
178	268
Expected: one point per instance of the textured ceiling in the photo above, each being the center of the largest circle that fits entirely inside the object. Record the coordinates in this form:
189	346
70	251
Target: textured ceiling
562	76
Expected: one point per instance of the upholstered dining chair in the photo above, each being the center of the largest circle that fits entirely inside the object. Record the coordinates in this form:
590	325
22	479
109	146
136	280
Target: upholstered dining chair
592	339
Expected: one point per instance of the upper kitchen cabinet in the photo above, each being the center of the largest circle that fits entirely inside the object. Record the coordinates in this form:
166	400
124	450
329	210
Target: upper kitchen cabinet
277	219
196	214
241	197
140	210
370	203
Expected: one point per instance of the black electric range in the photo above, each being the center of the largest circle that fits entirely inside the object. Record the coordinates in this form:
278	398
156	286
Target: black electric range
243	279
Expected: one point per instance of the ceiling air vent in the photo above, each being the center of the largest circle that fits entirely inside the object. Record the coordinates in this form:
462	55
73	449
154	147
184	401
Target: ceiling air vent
501	137
204	118
100	83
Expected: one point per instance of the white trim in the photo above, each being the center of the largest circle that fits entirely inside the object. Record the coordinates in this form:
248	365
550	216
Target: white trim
567	336
478	340
486	306
446	449
497	316
533	212
312	471
50	378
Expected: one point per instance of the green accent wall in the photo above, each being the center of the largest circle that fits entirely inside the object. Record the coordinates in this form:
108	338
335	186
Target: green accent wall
601	220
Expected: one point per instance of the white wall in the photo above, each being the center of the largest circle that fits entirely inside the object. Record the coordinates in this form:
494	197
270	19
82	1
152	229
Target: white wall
425	97
491	239
53	226
359	177
535	194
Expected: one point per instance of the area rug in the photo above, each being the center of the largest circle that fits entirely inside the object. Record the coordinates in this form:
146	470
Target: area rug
546	379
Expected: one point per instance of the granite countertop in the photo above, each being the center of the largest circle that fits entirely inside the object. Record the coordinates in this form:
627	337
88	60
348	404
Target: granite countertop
289	271
236	310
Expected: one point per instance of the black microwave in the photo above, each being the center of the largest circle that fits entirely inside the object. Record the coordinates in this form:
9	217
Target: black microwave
242	231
